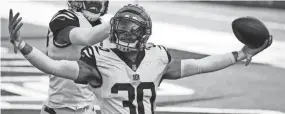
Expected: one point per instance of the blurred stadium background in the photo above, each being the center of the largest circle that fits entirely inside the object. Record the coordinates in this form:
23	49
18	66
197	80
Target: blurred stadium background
264	4
188	29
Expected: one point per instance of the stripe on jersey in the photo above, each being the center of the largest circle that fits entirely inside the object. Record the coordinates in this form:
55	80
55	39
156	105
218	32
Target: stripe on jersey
64	13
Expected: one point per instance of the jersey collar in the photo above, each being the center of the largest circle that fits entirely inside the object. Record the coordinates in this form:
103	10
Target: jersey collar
133	65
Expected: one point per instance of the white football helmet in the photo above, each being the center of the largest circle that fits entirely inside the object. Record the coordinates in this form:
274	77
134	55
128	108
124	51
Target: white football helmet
92	10
130	28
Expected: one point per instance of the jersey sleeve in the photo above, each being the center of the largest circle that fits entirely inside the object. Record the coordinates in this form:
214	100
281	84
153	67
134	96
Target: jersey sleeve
88	57
62	22
166	52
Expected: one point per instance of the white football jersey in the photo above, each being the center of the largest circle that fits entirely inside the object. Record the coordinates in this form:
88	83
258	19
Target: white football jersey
64	92
128	89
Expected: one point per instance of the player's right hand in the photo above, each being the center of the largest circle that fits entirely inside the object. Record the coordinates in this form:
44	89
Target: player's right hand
250	52
14	29
14	26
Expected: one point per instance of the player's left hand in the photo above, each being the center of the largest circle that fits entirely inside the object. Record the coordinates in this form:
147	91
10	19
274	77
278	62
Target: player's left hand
250	52
14	28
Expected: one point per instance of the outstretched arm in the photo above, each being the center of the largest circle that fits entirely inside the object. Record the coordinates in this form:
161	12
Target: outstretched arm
66	30
187	67
90	36
62	68
78	71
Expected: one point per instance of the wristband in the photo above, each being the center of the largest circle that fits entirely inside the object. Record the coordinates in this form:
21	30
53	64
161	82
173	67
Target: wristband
20	45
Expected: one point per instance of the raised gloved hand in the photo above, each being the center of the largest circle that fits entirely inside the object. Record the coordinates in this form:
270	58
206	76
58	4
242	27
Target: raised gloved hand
14	29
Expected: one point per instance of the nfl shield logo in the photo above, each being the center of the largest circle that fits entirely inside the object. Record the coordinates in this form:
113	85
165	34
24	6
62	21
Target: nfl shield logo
136	77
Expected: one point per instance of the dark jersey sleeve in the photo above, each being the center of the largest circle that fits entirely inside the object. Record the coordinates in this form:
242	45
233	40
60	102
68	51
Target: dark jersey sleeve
88	56
89	62
61	24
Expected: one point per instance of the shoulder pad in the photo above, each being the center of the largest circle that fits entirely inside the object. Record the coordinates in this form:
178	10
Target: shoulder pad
62	19
162	51
100	49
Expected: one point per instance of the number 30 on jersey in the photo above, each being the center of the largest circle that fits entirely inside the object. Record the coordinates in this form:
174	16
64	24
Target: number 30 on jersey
131	93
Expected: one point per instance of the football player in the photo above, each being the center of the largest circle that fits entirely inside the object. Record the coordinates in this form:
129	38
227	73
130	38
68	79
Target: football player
69	31
125	79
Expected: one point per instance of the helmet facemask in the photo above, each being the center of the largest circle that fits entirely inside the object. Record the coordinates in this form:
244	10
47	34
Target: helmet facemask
130	30
92	10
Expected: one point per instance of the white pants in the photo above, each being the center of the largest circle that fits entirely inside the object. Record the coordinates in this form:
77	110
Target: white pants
87	110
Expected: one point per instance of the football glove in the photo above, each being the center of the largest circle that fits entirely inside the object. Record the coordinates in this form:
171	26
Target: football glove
250	52
14	29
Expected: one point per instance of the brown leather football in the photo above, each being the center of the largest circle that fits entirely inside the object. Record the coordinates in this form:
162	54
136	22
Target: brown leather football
250	31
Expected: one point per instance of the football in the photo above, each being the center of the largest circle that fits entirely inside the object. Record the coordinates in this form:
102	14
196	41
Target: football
250	31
